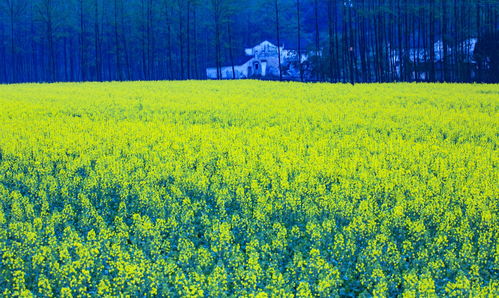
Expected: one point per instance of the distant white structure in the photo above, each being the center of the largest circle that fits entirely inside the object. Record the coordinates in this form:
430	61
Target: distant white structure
466	48
421	56
264	62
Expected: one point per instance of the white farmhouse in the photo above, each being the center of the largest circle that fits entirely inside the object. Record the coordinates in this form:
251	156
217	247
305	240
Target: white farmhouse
264	62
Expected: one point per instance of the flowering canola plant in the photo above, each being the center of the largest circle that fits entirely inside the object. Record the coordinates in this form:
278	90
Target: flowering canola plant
249	189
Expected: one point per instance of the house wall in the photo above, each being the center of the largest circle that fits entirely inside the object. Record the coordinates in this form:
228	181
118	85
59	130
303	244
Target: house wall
272	68
211	73
267	67
265	55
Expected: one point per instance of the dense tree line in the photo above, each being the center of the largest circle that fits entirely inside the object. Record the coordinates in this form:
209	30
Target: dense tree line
347	40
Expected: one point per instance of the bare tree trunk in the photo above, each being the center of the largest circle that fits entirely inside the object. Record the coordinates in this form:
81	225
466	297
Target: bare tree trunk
444	41
331	42
188	34
47	10
400	47
229	32
82	43
351	46
317	41
169	40
34	63
363	45
196	58
278	37
479	37
337	43
72	77
65	57
457	48
385	62
51	51
217	16
377	60
150	42
298	12
3	51
346	43
143	40
181	41
117	42
98	60
125	44
432	43
14	9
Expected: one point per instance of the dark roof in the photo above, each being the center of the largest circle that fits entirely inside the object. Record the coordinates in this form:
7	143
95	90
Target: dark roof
241	58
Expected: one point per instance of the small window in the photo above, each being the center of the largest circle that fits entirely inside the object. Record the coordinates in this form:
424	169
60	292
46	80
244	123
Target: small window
256	66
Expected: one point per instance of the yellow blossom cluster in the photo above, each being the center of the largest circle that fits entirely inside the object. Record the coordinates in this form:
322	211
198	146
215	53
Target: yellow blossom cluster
255	189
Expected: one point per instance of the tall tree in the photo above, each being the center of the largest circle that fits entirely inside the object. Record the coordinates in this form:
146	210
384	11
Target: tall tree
150	40
278	35
47	15
83	62
117	42
445	48
231	54
15	9
479	37
317	40
217	7
98	51
169	49
298	30
124	41
431	44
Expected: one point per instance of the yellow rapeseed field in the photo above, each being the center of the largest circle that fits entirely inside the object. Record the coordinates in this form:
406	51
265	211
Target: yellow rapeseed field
249	189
